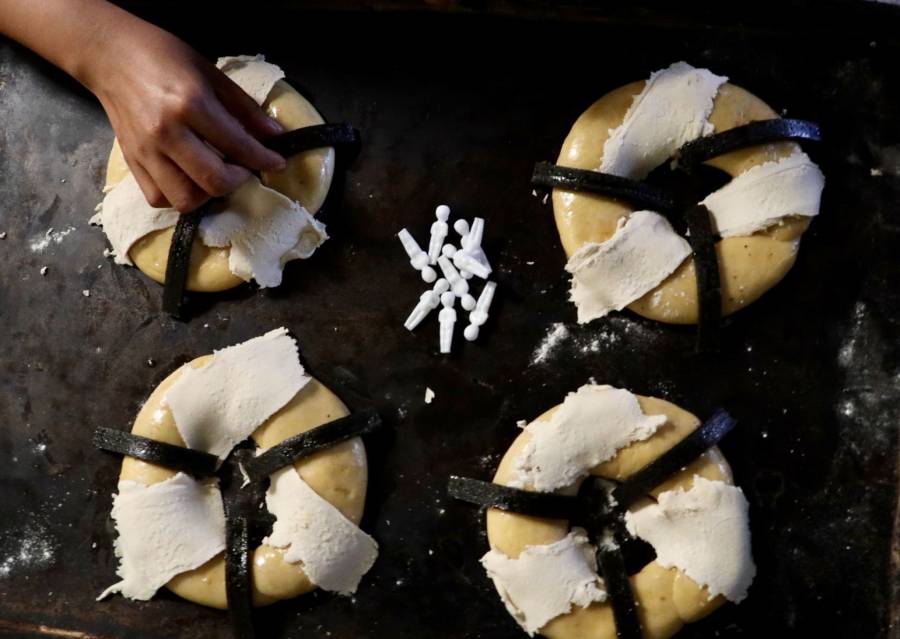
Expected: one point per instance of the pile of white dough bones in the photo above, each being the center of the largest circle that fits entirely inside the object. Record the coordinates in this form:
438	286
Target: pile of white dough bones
458	266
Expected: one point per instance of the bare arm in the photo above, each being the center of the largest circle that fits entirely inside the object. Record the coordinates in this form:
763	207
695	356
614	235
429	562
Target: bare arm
187	131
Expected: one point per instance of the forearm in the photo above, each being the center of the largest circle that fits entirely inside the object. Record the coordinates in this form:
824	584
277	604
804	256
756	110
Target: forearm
75	35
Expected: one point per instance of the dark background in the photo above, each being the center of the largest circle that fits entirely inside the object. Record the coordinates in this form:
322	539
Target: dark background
456	101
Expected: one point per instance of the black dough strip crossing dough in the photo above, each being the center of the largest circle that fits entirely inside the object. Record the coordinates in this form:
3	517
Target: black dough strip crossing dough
238	578
179	261
312	441
483	493
193	462
609	554
673	460
638	193
618	587
313	137
706	267
741	137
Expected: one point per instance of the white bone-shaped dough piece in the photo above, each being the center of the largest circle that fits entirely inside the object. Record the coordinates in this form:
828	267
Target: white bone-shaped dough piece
462	227
428	301
447	318
479	315
418	259
450	251
439	232
465	261
457	284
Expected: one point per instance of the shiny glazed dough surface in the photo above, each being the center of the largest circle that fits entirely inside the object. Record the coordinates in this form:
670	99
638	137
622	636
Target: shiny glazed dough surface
338	474
306	178
667	598
748	266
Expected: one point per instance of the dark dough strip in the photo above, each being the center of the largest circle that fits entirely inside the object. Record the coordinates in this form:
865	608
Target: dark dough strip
238	577
312	441
312	137
631	191
675	459
194	462
179	261
706	268
740	137
483	493
618	588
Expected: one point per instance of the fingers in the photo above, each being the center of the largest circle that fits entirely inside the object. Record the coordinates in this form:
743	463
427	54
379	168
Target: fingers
178	189
207	169
251	116
223	130
155	197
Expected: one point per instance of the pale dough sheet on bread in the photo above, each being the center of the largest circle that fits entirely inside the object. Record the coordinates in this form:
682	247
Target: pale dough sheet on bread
704	531
252	73
610	275
126	217
545	581
264	229
333	552
589	428
164	530
220	404
766	193
672	109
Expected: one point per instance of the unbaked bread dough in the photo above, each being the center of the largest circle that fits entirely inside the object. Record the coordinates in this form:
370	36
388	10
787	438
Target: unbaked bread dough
306	179
338	474
748	265
666	597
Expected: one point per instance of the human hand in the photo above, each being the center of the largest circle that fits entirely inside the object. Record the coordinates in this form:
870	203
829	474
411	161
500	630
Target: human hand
186	130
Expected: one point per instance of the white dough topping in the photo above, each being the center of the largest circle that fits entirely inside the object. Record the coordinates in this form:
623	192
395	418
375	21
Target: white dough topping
333	552
220	404
545	581
672	109
589	428
164	530
704	531
610	275
264	229
766	193
252	73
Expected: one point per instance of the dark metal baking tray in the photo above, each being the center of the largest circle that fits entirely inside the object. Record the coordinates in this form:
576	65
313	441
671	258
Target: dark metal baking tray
455	104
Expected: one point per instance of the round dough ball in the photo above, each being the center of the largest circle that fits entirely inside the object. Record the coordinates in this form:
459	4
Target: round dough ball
667	599
338	474
306	179
748	266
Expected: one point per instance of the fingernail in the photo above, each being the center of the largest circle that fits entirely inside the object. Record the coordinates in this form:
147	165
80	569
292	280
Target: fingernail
278	162
274	126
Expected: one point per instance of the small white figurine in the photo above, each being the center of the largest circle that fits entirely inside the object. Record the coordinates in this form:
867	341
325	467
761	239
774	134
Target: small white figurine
447	318
428	301
470	241
465	261
457	284
439	232
450	251
479	316
417	257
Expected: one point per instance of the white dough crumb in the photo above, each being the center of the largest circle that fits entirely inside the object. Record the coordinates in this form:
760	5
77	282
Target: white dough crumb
429	395
44	270
86	292
876	172
3	235
108	252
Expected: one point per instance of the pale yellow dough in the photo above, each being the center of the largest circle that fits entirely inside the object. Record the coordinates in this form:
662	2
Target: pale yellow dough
748	266
306	178
338	474
666	597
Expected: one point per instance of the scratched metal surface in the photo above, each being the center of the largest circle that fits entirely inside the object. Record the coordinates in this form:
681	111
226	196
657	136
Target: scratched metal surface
450	115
